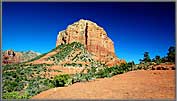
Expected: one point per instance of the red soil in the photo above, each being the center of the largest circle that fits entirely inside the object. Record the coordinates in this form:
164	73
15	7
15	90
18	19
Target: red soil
141	84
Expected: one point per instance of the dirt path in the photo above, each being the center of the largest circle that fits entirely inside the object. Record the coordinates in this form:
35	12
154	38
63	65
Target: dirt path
156	84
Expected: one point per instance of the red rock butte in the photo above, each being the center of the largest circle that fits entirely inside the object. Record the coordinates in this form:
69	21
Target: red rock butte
93	37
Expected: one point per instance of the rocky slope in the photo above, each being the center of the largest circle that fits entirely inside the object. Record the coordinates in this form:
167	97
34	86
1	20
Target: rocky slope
10	56
93	37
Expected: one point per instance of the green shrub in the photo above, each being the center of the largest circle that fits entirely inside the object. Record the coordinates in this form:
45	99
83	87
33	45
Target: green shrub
23	74
38	84
67	49
76	78
81	77
62	80
102	73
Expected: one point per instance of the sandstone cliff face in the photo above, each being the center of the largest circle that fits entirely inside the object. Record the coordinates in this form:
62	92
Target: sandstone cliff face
93	37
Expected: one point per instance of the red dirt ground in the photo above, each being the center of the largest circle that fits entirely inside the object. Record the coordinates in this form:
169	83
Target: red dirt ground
141	84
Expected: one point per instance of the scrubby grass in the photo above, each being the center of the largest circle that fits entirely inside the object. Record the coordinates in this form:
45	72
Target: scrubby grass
66	51
24	77
15	95
27	78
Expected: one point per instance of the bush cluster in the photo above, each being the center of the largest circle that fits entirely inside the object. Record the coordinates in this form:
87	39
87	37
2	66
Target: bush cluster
15	95
24	77
73	64
65	49
62	80
170	57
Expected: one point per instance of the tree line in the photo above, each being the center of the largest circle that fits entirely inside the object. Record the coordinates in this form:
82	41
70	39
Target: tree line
170	57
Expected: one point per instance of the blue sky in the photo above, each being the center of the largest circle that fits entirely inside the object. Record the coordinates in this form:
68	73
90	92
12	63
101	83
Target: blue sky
134	27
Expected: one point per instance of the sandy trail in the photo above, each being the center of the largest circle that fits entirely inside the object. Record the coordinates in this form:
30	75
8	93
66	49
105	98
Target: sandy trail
141	84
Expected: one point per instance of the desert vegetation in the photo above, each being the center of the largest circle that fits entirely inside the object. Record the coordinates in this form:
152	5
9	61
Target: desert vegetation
74	51
22	81
14	57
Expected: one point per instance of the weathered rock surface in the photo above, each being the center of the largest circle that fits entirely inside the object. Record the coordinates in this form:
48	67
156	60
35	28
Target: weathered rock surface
93	37
10	56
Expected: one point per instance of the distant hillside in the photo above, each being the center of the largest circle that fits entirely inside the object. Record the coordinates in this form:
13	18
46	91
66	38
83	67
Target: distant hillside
29	55
11	56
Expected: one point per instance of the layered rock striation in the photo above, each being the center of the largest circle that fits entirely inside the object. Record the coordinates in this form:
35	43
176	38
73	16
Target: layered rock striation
93	37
